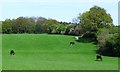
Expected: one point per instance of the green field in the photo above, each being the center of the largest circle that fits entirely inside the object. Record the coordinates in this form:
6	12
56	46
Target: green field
51	52
0	52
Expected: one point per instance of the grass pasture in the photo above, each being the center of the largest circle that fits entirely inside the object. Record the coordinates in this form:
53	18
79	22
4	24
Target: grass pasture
51	52
0	52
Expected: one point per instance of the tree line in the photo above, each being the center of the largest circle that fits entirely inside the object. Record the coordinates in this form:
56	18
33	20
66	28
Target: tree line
36	25
95	25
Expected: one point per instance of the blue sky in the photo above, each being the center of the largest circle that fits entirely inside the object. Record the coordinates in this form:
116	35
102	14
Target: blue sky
63	10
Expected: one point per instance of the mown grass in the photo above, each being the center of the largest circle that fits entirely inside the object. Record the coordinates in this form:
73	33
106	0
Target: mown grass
51	52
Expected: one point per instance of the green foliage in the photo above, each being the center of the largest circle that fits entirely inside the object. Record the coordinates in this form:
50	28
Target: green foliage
41	26
68	28
23	25
113	45
108	42
53	25
113	30
95	18
102	34
88	26
99	15
0	27
7	26
61	27
33	25
97	23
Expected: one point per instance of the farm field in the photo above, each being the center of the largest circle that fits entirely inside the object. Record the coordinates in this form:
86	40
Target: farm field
51	52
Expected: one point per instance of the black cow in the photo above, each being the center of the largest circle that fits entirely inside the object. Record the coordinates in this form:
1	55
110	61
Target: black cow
12	52
99	57
72	43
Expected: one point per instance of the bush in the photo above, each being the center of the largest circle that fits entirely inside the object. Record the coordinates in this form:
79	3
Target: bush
90	36
112	45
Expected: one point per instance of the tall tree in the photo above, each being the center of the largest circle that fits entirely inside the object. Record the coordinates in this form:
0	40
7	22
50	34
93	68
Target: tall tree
41	25
7	26
93	19
23	25
31	25
52	25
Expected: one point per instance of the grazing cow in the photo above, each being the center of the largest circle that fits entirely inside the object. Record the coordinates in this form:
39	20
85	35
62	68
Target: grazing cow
99	57
12	52
76	38
72	43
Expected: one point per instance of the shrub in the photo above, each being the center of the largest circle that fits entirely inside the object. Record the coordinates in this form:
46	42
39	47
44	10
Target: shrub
112	44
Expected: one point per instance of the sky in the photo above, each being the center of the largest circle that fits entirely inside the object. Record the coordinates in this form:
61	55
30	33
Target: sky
61	10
